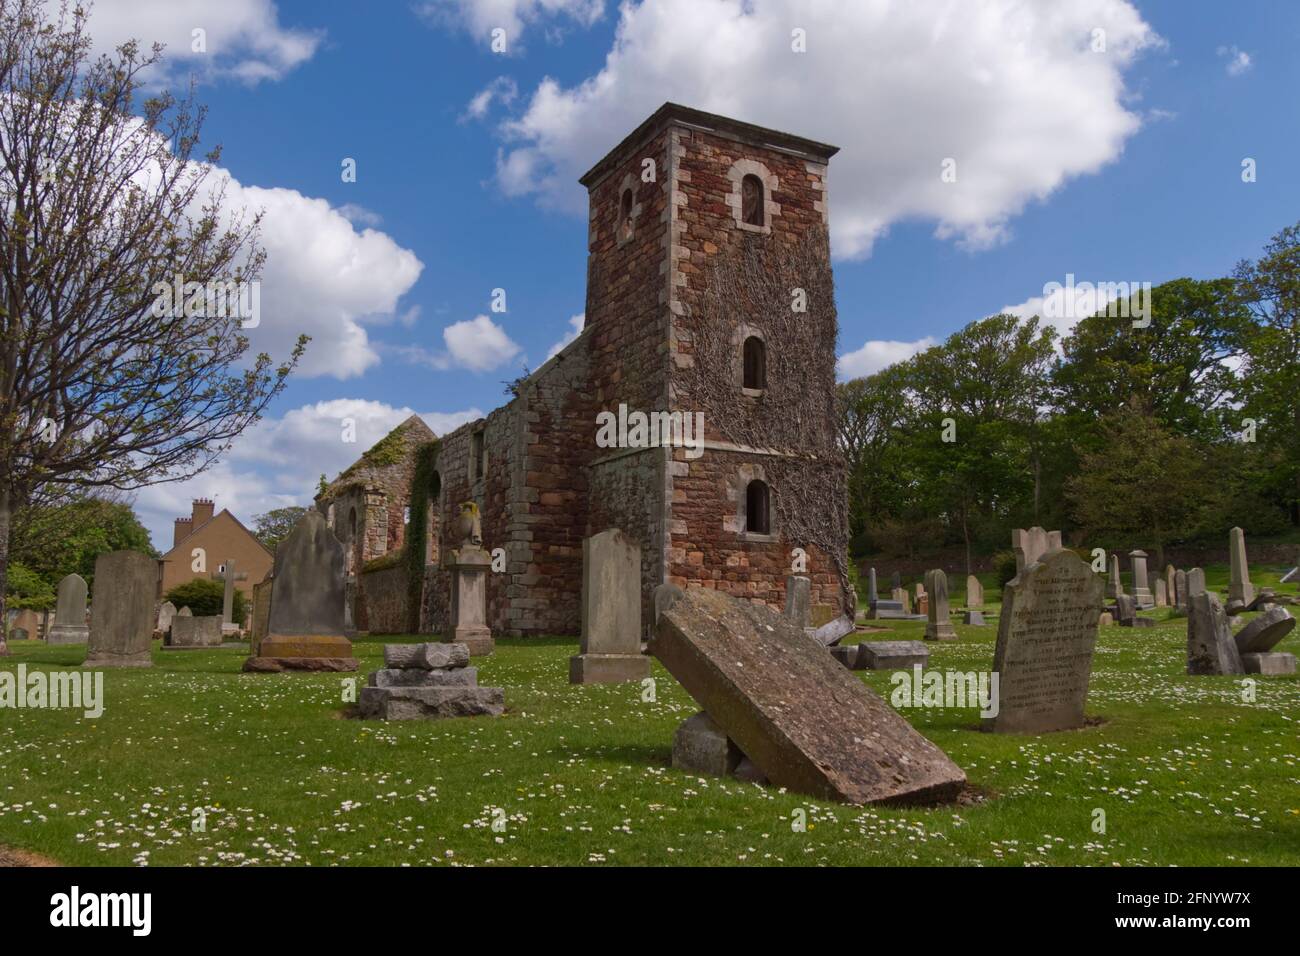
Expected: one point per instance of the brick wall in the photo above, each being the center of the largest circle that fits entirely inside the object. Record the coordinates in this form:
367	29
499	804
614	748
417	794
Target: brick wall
383	596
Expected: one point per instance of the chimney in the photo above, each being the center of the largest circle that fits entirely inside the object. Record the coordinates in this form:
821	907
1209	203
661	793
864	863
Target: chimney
183	528
202	510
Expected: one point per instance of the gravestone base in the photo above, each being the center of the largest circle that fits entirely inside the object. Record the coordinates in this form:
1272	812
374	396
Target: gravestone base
973	618
477	639
940	631
431	703
849	655
1268	663
1145	599
893	655
884	608
608	668
700	746
274	665
68	634
117	660
306	645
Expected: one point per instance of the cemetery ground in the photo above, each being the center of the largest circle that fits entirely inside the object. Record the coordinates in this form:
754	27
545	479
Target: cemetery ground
1186	772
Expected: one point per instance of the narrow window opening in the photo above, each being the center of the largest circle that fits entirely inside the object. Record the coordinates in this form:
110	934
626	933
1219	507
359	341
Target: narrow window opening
625	214
751	200
477	456
757	520
755	357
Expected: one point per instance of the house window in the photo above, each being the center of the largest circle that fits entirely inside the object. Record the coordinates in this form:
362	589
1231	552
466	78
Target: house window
406	515
751	200
757	508
477	457
625	215
755	358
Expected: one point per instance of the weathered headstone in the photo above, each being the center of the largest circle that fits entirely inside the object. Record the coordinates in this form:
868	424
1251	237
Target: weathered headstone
1141	581
305	627
70	613
610	649
1162	593
1240	591
1046	636
166	612
1115	585
1263	633
974	592
121	624
1171	586
29	621
1180	590
923	605
1126	613
1195	583
802	719
1031	545
228	592
261	615
798	598
973	618
188	632
1210	647
938	626
872	596
1268	663
426	682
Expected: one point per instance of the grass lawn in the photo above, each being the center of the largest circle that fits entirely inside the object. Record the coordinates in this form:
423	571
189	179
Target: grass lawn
1186	772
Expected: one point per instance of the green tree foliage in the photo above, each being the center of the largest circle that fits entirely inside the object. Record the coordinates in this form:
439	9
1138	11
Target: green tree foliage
274	526
53	541
204	598
27	589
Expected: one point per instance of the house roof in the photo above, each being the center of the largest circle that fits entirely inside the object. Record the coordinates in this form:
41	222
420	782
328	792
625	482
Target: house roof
193	531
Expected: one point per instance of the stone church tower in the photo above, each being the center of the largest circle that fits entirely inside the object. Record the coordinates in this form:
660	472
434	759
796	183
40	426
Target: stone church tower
709	299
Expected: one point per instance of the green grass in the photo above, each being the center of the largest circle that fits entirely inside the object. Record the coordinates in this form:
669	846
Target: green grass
1186	772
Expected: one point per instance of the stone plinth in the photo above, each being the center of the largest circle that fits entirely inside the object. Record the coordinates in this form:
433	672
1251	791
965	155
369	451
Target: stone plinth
469	568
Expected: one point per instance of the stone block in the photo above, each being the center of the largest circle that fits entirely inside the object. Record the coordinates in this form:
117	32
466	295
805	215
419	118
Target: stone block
700	746
1265	631
893	655
1268	663
608	668
428	656
417	677
430	703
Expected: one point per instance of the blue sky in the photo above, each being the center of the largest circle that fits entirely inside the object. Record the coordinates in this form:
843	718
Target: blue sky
1114	165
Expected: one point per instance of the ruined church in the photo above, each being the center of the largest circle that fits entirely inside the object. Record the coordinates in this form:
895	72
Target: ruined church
710	299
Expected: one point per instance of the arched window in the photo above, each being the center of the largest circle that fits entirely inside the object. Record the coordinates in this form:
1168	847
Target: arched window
755	358
751	200
757	505
625	214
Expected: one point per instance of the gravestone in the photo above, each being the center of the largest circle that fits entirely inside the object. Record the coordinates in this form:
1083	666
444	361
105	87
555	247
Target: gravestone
305	625
923	606
973	618
1114	586
426	682
1171	585
228	625
189	632
1268	663
903	599
70	613
121	623
610	649
892	655
469	565
798	597
165	614
872	596
938	626
1046	636
805	722
1126	613
183	612
1240	591
895	581
1195	583
1141	581
261	615
1033	544
974	592
1162	593
1210	647
29	621
1263	633
1180	590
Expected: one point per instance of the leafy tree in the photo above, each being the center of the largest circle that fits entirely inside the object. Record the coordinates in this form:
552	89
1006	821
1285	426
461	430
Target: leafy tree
204	597
107	204
28	589
274	526
1270	376
66	538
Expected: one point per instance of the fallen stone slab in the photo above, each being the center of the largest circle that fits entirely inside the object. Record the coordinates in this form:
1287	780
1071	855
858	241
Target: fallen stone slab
1270	663
415	677
430	656
848	655
273	665
423	703
893	655
833	631
805	722
1264	632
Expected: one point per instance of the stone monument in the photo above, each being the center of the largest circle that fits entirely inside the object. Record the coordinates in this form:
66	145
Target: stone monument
426	682
1255	643
1141	581
70	613
1240	591
938	626
469	565
1210	647
974	592
610	650
121	623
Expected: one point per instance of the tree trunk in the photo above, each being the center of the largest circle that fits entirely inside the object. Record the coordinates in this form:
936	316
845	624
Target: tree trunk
4	569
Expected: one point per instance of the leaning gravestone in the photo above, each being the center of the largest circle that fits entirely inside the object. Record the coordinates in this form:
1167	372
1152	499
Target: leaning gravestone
1195	584
974	592
305	628
610	649
1257	639
1240	591
70	613
1210	647
938	626
121	624
803	720
1046	636
1292	575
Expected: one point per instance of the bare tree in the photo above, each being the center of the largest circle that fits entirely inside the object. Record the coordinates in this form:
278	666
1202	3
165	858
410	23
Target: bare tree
106	379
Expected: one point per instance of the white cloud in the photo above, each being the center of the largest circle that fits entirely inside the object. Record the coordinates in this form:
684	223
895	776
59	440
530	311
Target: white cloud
324	279
279	461
1012	91
477	344
481	17
1239	60
575	329
360	215
503	90
1065	301
243	39
878	354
